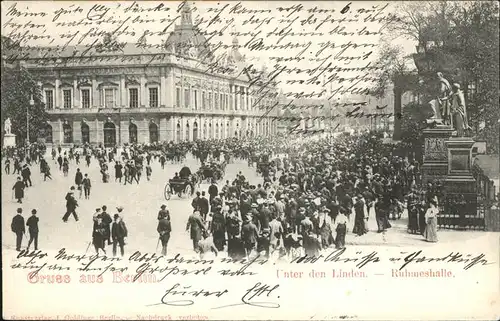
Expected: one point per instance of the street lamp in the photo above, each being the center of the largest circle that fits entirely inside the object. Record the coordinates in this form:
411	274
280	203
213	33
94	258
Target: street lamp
32	103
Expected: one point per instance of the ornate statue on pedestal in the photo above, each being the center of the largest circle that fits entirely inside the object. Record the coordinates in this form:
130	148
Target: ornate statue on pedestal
8	126
444	103
459	111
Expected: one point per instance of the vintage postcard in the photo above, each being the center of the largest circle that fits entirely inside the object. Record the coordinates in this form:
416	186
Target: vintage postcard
254	160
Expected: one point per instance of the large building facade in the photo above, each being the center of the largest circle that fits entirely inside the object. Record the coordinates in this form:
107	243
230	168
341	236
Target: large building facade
148	94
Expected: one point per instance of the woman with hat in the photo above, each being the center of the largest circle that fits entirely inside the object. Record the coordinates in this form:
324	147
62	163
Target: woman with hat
359	218
341	229
325	228
18	189
431	220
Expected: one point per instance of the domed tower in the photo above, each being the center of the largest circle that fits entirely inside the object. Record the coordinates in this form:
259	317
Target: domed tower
186	39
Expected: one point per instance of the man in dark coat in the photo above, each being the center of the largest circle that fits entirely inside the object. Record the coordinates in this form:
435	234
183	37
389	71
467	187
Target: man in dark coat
164	228
26	174
204	205
118	171
32	224
249	235
163	213
107	220
196	202
86	186
119	233
197	227
17	226
79	182
98	235
213	191
218	228
71	205
19	190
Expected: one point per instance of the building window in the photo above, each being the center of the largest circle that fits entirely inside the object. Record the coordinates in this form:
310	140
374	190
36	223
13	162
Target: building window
132	133
216	101
186	98
153	133
221	97
109	98
133	97
196	99
85	98
49	99
226	101
187	132
177	97
210	100
153	97
67	102
203	100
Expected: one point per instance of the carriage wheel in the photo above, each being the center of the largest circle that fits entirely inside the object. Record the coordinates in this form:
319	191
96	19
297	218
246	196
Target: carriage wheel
167	192
188	190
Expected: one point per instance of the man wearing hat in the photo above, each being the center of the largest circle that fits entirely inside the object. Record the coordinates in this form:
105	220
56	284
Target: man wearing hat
71	205
17	226
32	224
196	227
119	232
26	174
19	190
249	235
106	220
163	213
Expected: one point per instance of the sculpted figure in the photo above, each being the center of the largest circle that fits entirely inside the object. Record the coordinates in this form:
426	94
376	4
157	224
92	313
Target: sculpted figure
8	126
444	103
459	111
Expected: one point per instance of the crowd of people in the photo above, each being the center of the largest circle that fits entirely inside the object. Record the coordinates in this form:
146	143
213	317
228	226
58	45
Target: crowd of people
310	190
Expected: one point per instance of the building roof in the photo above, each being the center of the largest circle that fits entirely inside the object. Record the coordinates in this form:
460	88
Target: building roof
187	39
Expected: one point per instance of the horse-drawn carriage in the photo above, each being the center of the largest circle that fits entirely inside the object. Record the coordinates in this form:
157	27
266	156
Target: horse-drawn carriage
211	171
183	185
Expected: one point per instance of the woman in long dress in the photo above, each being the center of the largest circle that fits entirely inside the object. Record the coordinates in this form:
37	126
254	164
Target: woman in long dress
431	220
341	229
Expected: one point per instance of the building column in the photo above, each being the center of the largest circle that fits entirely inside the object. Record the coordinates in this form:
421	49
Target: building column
123	92
142	92
56	93
76	126
123	134
95	96
97	132
170	88
76	95
162	131
163	89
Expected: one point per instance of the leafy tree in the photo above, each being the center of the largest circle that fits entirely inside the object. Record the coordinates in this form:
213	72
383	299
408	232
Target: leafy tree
460	39
398	73
18	86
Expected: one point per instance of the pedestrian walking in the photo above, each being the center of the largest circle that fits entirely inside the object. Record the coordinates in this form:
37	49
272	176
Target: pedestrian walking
17	226
32	224
71	205
196	227
106	220
19	190
86	186
119	232
26	174
79	182
164	228
98	235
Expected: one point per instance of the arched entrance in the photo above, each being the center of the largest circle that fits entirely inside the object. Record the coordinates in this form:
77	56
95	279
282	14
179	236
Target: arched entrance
195	131
132	133
109	134
48	133
210	133
68	134
187	132
153	133
216	131
85	133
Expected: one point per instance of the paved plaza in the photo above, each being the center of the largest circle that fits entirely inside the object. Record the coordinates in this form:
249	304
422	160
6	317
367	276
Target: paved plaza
141	204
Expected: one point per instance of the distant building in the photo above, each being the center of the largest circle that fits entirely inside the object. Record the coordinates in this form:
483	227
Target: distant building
138	93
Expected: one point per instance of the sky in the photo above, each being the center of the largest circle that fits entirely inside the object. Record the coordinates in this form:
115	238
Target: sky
40	19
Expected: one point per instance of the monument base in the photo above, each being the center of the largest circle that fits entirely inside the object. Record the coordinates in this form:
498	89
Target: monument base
9	140
435	166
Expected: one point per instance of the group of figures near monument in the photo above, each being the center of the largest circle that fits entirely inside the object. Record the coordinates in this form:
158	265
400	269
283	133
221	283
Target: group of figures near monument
310	197
449	108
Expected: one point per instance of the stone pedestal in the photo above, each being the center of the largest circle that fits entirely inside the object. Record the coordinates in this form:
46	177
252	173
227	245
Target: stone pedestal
435	165
9	140
460	191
